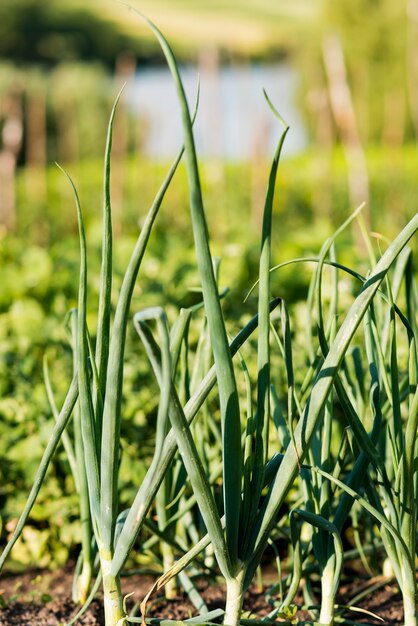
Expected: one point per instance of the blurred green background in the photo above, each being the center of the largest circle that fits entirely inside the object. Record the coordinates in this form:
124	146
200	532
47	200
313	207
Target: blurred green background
352	71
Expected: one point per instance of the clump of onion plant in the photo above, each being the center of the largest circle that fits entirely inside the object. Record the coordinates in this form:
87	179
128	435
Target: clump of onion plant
240	537
96	390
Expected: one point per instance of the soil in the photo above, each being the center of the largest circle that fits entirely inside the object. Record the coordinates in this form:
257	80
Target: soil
39	598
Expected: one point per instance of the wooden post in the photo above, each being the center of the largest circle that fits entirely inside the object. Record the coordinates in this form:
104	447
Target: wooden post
319	106
11	138
209	70
412	60
36	141
345	119
258	162
124	73
394	117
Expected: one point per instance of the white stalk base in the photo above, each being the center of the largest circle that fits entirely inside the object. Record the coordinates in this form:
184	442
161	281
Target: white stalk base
326	615
234	599
84	583
410	609
113	608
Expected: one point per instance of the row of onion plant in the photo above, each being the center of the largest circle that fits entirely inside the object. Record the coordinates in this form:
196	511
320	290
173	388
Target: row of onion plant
256	470
240	537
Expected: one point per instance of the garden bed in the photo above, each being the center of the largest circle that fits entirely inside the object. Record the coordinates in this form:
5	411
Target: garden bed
43	598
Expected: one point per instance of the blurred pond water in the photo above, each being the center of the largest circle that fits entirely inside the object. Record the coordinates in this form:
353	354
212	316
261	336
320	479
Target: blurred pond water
234	121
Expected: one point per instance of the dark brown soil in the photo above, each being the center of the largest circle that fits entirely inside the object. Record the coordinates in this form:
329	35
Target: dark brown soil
43	599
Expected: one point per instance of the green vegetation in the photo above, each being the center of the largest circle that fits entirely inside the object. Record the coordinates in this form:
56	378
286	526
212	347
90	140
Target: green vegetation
54	31
233	445
250	29
270	408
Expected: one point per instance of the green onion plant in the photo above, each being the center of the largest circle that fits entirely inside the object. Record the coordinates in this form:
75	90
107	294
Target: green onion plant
97	387
239	541
388	452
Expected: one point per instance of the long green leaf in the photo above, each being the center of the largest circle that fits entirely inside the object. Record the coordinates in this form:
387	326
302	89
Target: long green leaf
228	395
114	377
90	443
66	439
103	319
84	500
262	415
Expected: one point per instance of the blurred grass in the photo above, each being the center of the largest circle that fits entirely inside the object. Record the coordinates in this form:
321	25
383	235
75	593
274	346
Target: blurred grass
312	188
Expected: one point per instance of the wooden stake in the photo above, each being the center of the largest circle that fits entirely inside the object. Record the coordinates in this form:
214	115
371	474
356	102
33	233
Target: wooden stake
346	122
